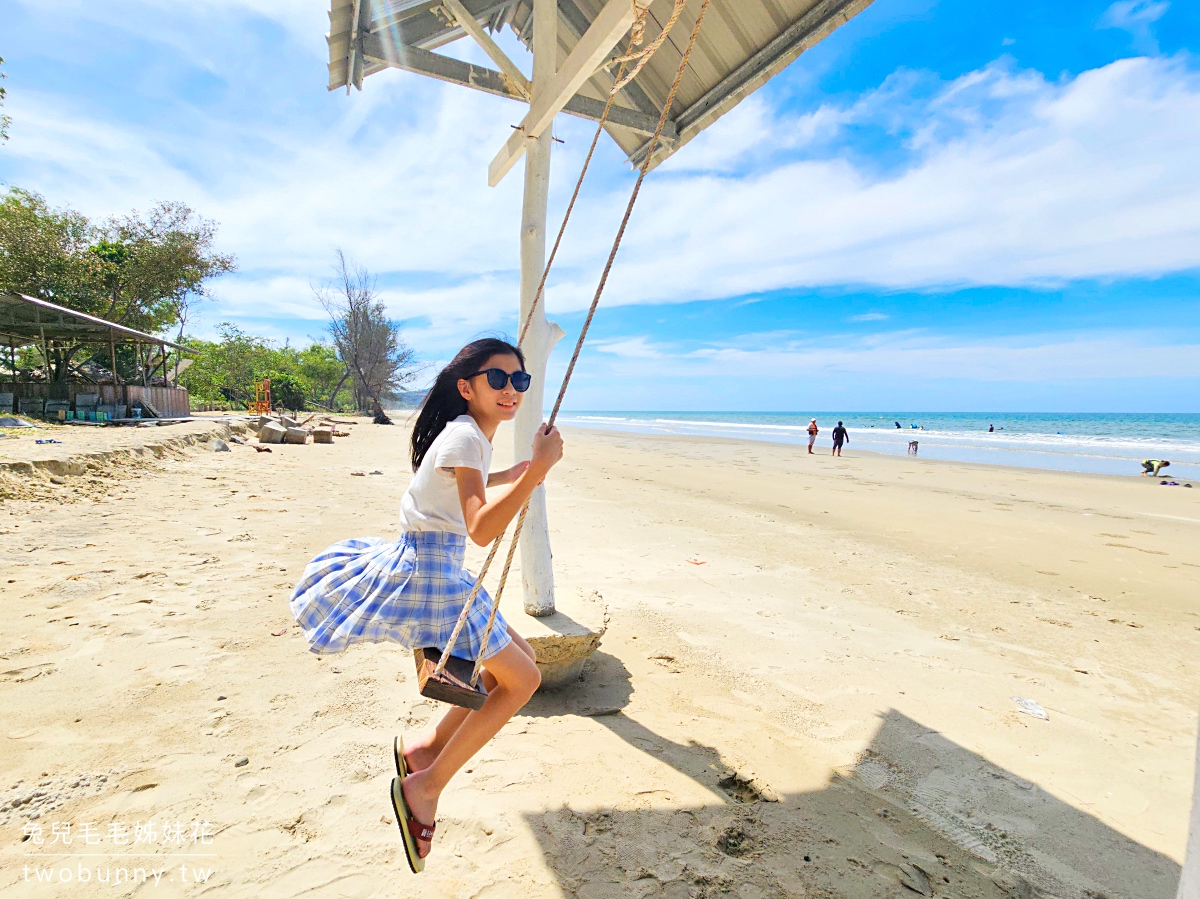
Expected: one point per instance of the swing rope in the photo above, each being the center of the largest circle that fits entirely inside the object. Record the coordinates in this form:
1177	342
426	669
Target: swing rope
653	145
487	563
637	35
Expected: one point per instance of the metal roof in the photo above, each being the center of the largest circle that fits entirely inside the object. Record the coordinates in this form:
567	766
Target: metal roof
27	320
742	44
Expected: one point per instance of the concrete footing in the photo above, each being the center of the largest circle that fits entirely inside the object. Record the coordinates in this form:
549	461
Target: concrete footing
565	640
271	432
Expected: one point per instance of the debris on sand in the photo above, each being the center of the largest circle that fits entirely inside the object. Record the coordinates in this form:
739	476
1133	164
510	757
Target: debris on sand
1029	707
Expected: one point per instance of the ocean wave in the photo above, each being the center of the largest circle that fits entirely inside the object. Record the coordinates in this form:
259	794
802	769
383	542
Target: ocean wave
1095	452
999	440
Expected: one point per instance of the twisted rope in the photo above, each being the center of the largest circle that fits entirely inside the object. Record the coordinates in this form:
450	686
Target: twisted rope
637	36
612	256
487	563
570	208
643	56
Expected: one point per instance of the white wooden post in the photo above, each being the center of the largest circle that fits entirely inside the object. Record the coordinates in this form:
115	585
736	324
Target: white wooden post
537	572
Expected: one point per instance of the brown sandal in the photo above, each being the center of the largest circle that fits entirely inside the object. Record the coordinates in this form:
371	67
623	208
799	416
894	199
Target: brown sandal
398	752
410	828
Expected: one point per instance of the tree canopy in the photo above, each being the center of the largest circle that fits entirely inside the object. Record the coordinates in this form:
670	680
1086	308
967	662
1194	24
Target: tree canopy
148	271
5	120
144	272
223	372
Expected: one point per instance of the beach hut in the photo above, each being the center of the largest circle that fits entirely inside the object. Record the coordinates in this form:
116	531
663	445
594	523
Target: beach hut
574	44
27	321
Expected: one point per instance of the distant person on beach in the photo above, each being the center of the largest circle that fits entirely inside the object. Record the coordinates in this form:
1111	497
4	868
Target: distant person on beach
412	591
839	437
1153	466
991	428
813	431
897	424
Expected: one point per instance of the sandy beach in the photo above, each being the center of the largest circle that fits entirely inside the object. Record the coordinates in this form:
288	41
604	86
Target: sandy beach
806	688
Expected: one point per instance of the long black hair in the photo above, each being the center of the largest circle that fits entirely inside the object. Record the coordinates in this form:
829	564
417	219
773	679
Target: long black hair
444	403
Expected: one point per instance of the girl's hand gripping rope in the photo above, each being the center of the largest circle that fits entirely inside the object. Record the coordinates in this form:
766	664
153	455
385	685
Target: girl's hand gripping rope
547	451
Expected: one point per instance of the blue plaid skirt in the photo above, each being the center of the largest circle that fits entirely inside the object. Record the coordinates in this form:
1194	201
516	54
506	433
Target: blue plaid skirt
409	592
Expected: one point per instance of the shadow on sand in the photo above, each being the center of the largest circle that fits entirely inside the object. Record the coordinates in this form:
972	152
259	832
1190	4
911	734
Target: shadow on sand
917	815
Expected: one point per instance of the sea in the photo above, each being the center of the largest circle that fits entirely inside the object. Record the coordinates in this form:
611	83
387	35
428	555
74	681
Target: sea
1101	443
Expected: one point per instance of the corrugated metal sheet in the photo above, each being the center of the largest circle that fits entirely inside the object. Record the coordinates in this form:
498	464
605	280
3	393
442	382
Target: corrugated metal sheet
742	44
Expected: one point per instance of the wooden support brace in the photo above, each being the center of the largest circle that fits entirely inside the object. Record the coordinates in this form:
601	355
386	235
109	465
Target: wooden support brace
549	99
472	27
480	78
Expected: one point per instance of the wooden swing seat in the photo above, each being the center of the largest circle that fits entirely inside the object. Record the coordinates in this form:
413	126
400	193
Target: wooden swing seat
453	682
453	685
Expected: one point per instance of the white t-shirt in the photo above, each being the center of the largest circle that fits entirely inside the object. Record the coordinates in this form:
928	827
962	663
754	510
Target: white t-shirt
431	502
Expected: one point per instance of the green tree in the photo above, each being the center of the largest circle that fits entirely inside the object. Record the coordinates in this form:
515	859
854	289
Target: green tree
224	372
156	268
325	373
145	273
44	252
287	390
5	120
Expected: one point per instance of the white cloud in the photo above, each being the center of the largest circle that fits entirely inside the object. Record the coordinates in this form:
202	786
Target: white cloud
630	348
1014	181
410	199
1129	14
1006	179
179	24
869	317
1136	17
1038	358
1133	15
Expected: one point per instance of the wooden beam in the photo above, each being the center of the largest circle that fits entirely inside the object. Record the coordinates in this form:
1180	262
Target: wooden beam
806	31
415	27
480	78
353	57
549	99
577	23
490	47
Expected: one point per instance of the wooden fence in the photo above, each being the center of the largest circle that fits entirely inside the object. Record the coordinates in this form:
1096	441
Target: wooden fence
171	402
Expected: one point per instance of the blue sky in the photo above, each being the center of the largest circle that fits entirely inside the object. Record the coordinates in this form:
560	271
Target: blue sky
947	205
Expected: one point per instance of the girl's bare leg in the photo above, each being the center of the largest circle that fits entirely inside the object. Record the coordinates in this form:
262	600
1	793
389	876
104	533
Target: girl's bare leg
420	753
517	677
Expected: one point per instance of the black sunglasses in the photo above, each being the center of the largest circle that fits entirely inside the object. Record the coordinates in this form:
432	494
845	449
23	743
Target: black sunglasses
498	377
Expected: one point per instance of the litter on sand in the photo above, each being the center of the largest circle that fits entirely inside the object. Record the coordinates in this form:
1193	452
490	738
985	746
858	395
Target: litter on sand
47	440
1029	707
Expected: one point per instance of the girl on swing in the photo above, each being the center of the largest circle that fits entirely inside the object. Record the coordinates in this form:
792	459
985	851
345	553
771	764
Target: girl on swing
412	591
